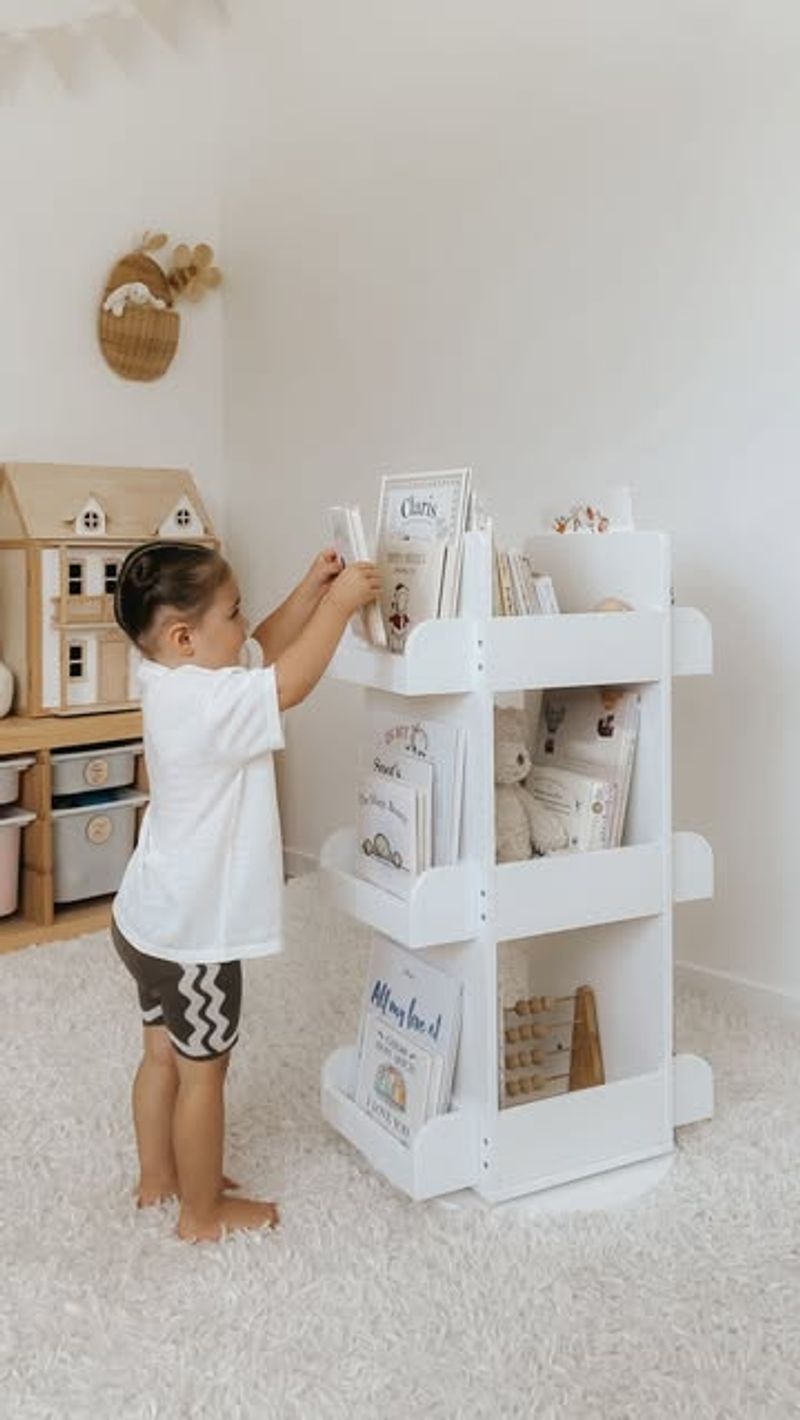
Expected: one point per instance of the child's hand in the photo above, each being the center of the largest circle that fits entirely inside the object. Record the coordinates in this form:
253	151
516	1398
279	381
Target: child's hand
357	585
325	567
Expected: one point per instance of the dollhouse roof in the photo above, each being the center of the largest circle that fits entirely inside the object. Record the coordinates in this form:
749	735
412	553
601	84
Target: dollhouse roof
42	501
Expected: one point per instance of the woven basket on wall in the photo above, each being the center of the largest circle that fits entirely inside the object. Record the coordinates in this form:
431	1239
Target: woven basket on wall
139	344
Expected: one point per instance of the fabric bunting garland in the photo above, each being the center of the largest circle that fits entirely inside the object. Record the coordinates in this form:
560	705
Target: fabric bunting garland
116	29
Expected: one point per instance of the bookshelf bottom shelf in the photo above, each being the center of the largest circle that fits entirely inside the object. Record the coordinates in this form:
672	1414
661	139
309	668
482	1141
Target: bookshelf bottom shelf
549	1142
443	1157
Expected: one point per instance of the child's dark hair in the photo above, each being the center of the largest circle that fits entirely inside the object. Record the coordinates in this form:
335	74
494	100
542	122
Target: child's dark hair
183	575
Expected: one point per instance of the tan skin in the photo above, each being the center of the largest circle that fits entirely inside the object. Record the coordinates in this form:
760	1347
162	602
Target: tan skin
178	1104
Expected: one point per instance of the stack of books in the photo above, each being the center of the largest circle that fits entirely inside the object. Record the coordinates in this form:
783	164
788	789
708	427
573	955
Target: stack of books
408	1040
518	589
419	546
583	760
410	789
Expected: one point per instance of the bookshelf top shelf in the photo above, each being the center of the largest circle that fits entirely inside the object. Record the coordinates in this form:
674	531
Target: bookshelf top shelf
528	652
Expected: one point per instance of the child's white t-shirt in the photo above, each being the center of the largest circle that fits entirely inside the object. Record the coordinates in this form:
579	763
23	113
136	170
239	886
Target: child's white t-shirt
205	880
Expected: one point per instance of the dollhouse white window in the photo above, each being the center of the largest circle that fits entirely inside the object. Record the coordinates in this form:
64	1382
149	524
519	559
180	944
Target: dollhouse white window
75	579
76	660
110	577
91	521
182	521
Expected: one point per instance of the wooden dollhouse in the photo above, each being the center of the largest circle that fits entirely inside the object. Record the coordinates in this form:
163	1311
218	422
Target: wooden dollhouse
64	533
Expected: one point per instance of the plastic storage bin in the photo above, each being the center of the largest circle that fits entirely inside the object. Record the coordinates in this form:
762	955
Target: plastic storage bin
10	770
106	767
91	845
12	823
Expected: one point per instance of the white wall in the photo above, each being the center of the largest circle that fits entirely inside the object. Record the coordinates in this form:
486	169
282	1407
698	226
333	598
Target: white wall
556	240
84	173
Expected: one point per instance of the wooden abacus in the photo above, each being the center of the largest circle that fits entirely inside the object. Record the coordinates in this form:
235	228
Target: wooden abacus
543	1042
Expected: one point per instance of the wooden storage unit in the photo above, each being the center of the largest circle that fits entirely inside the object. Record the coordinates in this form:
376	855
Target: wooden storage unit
37	919
603	918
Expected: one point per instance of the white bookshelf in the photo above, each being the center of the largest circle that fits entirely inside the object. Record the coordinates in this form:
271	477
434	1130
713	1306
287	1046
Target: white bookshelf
602	919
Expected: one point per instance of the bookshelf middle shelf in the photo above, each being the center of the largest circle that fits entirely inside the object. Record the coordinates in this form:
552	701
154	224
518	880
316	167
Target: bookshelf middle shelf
442	905
529	898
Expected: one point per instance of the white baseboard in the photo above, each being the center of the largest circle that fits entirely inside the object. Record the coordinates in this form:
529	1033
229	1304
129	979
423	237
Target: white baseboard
738	991
296	862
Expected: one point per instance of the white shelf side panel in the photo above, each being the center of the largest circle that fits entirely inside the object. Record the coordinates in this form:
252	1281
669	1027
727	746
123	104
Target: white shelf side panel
692	642
443	1157
553	1141
442	905
694	1090
569	890
692	868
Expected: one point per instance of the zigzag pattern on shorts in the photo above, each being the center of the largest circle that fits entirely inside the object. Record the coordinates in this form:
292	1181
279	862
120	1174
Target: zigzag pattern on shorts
198	985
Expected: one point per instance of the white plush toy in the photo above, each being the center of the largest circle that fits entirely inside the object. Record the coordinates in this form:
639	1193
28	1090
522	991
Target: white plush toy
522	827
132	293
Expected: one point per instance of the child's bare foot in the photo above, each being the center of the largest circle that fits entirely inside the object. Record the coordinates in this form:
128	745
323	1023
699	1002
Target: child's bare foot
149	1195
230	1215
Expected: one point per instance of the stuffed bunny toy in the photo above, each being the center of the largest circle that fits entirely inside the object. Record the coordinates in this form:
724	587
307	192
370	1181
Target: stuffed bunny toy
523	829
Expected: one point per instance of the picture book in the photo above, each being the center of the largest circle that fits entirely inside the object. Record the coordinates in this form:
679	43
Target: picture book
397	764
388	833
440	743
592	730
347	531
411	574
408	1038
428	507
585	804
394	1080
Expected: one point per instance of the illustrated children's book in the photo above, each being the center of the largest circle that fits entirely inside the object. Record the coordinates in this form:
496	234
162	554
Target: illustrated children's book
428	507
439	743
389	830
396	764
585	804
411	573
592	731
348	538
408	1039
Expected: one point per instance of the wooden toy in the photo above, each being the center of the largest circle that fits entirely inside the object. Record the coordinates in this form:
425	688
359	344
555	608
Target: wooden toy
64	533
571	1033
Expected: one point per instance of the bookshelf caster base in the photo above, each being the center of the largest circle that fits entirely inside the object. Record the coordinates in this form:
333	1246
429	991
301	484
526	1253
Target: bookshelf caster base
594	1194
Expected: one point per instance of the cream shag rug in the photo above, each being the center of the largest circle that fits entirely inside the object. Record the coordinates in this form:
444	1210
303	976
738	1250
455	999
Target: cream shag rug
684	1303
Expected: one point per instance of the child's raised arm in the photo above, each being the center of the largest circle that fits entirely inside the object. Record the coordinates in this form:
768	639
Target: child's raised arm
301	665
284	624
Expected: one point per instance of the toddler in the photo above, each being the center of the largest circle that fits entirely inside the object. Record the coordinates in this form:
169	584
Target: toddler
203	888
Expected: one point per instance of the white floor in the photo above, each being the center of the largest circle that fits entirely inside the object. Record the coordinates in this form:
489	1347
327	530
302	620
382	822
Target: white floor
683	1301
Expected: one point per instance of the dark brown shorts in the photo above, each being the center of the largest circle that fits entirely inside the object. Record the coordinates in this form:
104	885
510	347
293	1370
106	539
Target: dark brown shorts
199	1005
